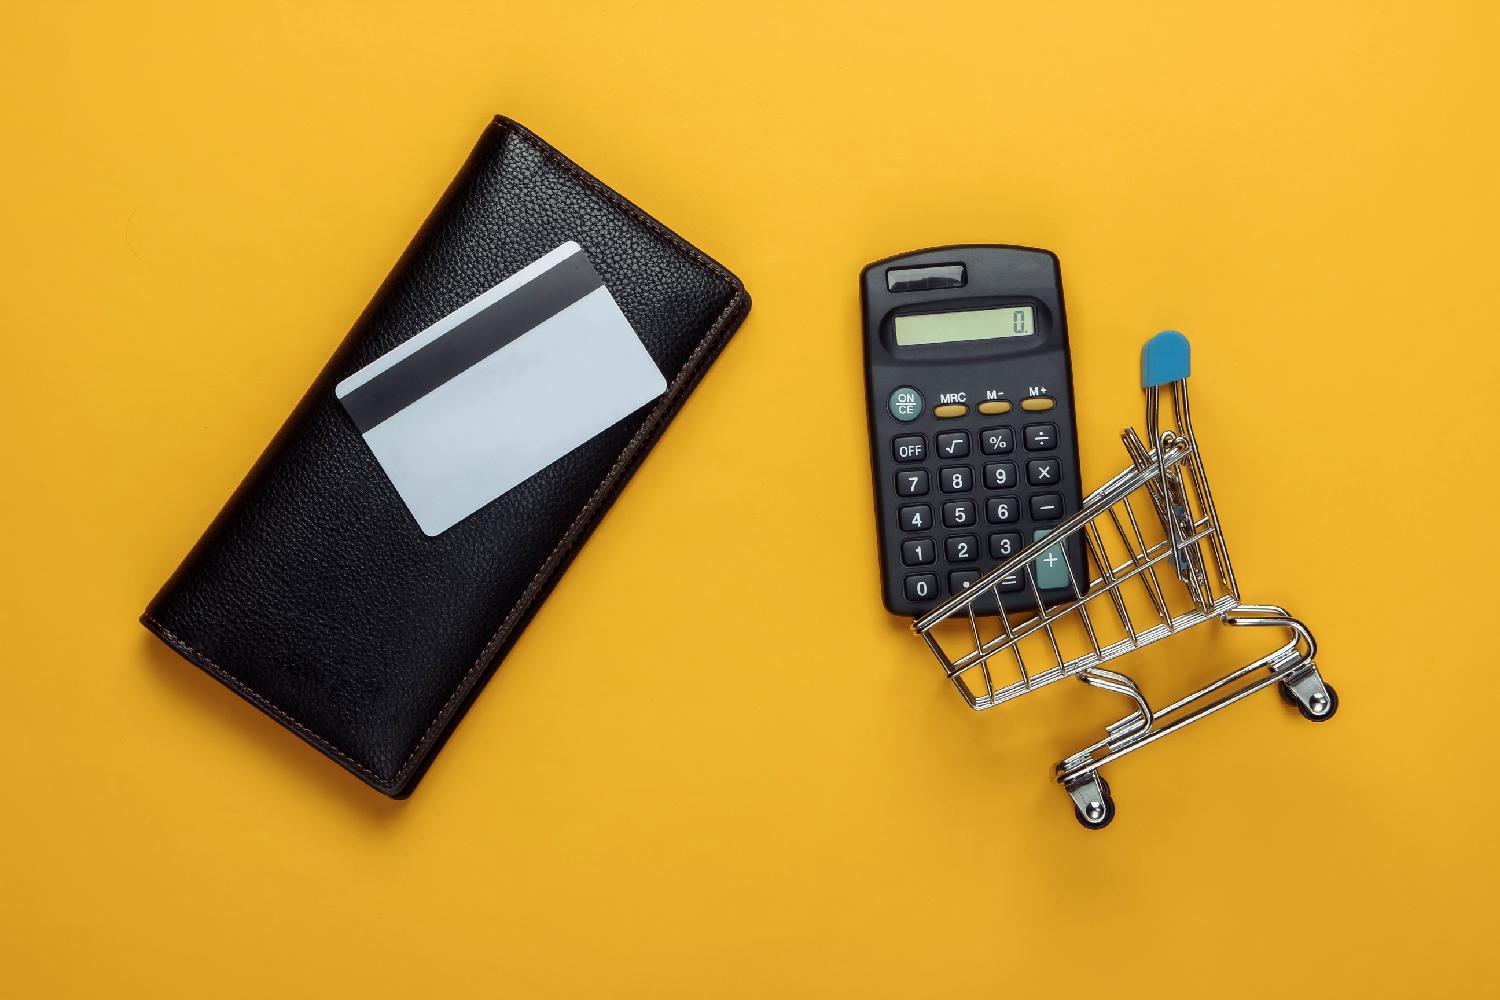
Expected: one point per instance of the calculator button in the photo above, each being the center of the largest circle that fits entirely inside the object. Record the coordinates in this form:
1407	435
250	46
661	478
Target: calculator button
1000	475
959	513
953	445
962	581
909	448
921	587
949	410
906	404
1043	471
1051	566
994	407
918	552
1037	404
1046	507
1041	437
963	548
956	479
911	483
915	517
996	440
1002	510
1011	583
1004	544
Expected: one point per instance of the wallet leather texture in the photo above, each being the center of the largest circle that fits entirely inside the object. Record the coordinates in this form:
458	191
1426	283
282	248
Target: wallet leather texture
316	597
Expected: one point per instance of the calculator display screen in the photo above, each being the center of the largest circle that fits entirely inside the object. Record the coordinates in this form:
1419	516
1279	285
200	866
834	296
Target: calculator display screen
919	329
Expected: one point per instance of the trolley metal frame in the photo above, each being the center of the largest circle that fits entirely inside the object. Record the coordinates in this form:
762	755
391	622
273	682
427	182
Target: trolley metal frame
1169	475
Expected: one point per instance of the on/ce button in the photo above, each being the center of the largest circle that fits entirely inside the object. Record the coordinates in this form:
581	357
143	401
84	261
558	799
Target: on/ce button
906	404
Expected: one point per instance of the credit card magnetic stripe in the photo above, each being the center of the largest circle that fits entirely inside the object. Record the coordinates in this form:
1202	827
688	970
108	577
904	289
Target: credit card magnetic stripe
385	393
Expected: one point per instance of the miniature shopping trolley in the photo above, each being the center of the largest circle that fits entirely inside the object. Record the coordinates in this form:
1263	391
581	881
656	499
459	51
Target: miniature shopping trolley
1159	567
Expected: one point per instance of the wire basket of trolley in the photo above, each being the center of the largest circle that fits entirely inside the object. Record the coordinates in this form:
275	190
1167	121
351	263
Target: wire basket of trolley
1160	566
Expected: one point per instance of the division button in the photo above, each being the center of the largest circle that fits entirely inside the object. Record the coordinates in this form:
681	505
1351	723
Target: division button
1041	437
1037	404
906	404
949	410
909	448
994	407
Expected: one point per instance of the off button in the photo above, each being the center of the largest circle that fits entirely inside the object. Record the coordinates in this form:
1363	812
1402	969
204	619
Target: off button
906	404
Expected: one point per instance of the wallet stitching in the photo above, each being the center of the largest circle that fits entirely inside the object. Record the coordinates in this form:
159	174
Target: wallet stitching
569	536
257	699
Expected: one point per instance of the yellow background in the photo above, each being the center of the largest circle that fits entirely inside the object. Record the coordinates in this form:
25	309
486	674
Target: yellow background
713	766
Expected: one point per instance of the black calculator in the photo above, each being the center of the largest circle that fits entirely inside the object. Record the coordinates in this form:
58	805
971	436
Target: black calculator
973	443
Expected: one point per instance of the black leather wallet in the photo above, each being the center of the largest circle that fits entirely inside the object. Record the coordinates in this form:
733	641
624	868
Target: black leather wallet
316	597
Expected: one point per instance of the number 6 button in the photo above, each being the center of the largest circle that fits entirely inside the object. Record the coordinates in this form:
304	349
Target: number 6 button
1000	475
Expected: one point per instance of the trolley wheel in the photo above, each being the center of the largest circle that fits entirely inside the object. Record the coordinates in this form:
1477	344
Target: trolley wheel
1333	706
1106	818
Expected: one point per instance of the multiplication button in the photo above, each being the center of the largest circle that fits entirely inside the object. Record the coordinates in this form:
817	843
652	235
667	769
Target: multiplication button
1043	471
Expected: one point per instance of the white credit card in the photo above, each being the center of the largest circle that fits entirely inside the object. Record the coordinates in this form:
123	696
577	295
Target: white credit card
501	388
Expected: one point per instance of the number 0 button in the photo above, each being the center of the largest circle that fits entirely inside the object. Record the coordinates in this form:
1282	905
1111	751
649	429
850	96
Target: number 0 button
921	587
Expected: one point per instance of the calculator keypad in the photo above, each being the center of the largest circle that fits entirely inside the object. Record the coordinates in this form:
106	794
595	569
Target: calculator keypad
985	510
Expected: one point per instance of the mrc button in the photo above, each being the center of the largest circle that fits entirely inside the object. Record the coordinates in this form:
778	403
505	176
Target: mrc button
906	403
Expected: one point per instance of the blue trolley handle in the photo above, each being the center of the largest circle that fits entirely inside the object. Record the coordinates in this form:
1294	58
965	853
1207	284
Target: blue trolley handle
1166	360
